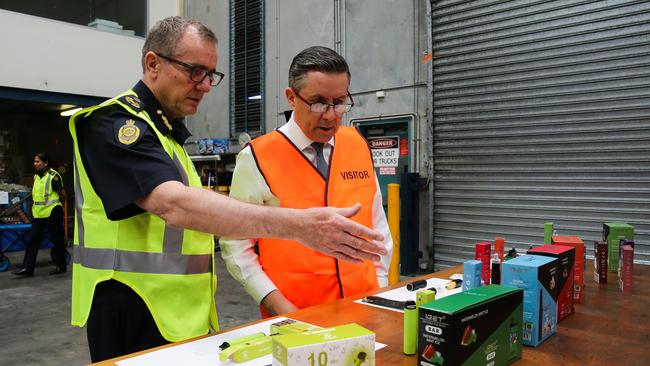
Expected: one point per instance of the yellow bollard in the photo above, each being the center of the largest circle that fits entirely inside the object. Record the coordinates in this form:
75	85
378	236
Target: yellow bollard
393	226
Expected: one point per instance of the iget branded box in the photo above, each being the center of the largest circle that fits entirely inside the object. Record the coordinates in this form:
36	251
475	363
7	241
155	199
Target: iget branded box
612	233
481	326
565	273
483	251
537	276
578	267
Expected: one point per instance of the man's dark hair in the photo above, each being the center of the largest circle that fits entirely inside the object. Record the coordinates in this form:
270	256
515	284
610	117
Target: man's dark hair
163	37
316	58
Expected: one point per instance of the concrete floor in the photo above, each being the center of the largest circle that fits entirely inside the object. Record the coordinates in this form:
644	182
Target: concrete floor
35	314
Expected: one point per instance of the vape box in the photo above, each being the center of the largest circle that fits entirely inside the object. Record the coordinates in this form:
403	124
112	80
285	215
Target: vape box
537	276
600	261
613	232
481	326
565	274
625	281
483	252
471	274
621	244
579	266
349	344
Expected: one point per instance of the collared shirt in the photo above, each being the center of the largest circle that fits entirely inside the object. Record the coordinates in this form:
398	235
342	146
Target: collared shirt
249	185
123	173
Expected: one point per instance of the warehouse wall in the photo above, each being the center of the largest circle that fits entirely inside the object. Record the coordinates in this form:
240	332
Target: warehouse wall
49	55
212	119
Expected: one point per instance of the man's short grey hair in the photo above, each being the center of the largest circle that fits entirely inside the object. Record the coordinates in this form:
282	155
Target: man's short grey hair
316	58
164	36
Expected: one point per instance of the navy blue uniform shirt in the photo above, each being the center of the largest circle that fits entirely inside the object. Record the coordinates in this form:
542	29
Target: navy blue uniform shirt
124	170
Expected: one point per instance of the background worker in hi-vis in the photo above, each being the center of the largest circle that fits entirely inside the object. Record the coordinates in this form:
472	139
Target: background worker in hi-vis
47	210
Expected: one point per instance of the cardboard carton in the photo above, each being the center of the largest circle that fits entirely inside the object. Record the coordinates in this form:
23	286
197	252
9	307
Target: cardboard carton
613	232
600	262
537	276
483	254
481	326
565	274
349	344
579	266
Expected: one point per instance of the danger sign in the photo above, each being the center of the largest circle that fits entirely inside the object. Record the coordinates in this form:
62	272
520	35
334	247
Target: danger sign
385	150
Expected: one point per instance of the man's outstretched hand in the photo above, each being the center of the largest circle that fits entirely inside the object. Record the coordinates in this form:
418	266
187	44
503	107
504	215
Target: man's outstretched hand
330	231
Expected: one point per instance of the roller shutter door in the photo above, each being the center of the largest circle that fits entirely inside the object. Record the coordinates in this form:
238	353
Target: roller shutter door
541	113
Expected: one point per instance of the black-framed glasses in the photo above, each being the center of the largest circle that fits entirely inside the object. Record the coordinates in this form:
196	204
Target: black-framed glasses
320	107
197	73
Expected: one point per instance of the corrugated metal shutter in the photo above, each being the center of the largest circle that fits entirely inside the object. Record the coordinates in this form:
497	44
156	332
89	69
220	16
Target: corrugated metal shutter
541	113
246	67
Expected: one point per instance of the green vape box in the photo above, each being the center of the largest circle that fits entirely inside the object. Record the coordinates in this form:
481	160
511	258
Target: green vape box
481	326
612	233
344	345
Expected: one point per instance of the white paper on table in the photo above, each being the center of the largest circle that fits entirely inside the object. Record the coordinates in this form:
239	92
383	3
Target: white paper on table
205	351
4	198
402	294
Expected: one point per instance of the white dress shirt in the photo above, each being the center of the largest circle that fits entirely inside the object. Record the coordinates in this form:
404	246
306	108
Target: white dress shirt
249	185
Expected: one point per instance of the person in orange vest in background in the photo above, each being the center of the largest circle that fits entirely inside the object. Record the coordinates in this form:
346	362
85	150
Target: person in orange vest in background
311	161
47	196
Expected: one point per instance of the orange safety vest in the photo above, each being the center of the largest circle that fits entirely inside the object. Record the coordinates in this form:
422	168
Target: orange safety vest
307	277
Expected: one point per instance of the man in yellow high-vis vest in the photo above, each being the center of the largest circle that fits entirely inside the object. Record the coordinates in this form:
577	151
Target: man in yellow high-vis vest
143	244
47	210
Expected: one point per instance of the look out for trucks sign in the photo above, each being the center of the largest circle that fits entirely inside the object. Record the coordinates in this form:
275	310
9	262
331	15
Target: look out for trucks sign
385	153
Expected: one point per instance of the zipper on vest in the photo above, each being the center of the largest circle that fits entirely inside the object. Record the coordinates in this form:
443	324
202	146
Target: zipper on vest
338	277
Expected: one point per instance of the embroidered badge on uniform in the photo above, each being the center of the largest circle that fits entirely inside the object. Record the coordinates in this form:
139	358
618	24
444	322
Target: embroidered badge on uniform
128	133
133	101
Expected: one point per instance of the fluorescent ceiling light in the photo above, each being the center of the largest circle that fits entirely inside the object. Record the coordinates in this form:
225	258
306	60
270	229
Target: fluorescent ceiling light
255	97
70	112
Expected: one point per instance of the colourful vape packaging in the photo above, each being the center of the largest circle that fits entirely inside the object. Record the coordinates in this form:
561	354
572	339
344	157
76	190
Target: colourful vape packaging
578	267
548	232
537	276
625	281
472	270
613	232
621	243
481	326
565	273
410	339
483	251
349	344
424	296
600	261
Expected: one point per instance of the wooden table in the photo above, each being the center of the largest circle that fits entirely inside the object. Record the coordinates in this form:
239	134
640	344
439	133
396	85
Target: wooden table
610	328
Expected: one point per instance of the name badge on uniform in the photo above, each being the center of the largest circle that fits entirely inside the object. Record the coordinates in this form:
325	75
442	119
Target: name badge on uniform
128	133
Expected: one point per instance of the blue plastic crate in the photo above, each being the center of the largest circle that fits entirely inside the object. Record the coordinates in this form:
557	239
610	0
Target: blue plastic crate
17	234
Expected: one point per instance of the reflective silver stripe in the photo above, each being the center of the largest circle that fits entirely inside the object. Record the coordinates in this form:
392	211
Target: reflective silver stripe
170	261
47	185
181	170
45	203
78	203
173	237
142	262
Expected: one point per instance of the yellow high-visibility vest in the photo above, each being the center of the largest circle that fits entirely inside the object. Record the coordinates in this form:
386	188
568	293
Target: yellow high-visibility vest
43	197
170	268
